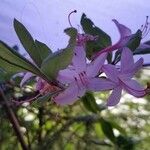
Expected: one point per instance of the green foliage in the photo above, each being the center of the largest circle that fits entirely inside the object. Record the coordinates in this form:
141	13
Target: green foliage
16	61
89	102
108	130
61	59
36	49
135	40
103	40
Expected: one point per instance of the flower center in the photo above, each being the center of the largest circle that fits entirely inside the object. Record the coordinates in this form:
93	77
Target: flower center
81	80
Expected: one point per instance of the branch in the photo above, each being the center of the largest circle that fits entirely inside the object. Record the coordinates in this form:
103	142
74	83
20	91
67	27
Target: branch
13	120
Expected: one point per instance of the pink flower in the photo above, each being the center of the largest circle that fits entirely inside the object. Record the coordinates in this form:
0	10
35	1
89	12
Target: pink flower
81	77
122	78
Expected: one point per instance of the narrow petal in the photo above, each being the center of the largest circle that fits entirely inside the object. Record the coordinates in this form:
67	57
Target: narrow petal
95	66
127	60
66	75
111	72
70	95
125	35
133	69
99	84
134	88
114	97
137	66
123	30
26	77
79	58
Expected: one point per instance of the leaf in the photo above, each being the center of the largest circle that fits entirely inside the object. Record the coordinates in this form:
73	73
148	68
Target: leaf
125	143
27	41
90	103
10	68
132	44
102	41
43	49
135	40
108	130
60	59
42	100
10	57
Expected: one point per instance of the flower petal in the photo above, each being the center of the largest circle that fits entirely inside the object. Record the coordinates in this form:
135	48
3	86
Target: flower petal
26	77
111	72
66	75
125	35
123	30
114	97
134	88
94	67
79	59
70	95
98	84
127	60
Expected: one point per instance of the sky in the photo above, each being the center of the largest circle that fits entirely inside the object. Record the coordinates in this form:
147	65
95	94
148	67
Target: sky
46	19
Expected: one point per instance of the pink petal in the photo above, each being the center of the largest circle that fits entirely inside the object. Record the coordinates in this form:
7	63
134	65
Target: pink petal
125	35
79	59
134	88
98	84
111	72
66	75
123	30
70	95
114	97
127	60
137	66
26	77
94	67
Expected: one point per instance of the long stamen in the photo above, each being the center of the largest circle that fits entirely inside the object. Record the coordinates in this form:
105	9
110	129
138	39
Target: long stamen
69	17
145	28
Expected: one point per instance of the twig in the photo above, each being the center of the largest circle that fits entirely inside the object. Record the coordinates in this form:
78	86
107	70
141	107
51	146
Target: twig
13	120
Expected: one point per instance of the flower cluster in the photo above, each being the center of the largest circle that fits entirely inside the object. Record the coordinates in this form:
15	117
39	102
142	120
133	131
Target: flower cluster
84	75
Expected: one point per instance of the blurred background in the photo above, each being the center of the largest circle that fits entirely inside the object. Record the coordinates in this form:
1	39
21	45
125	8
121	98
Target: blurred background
87	124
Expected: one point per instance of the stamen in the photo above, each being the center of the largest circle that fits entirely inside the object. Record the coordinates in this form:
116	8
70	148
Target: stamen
69	17
145	28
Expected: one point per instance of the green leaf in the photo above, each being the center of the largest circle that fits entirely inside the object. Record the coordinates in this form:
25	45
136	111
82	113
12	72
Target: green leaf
43	49
10	68
135	40
102	41
60	59
10	57
42	100
125	143
132	44
108	130
27	42
90	103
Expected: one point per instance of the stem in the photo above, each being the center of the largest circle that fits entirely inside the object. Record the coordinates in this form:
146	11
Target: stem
13	120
